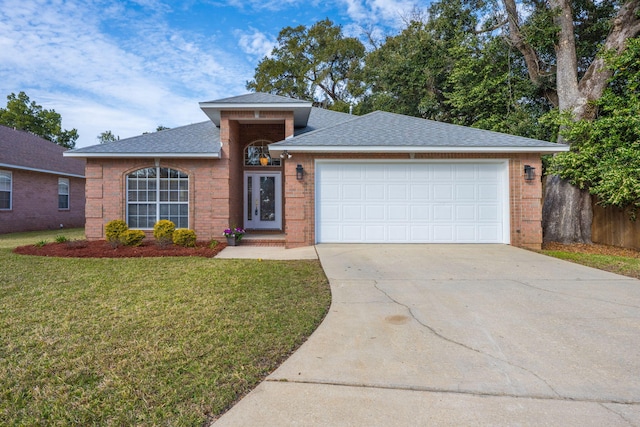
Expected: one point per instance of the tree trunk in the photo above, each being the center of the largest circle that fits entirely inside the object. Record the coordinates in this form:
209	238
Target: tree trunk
566	212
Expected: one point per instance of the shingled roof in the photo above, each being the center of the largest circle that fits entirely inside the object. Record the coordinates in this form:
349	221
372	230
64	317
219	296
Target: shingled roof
23	150
388	132
199	140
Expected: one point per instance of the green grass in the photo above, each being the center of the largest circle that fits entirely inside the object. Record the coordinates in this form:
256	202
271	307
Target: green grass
152	341
627	266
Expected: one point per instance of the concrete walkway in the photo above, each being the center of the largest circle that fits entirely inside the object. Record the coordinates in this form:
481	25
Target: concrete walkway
459	335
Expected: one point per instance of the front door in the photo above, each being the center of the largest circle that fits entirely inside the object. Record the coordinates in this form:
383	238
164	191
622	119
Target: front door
263	200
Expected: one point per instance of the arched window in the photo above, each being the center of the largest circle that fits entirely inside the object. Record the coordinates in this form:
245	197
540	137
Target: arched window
259	150
157	193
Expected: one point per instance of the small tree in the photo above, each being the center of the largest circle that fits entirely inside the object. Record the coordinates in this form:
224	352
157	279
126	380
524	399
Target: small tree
107	136
24	114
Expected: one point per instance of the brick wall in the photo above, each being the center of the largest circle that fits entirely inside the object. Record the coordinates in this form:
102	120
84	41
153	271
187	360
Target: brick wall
35	203
208	193
525	202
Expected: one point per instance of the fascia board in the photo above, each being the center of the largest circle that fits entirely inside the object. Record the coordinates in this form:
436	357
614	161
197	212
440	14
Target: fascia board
409	149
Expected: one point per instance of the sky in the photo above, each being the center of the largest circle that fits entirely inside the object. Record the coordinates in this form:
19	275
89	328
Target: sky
130	66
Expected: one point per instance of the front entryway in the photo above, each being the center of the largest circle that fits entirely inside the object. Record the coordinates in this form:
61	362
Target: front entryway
263	200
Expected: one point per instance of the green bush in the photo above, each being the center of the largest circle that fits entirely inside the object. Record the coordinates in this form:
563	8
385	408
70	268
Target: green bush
163	232
114	229
61	239
184	237
132	237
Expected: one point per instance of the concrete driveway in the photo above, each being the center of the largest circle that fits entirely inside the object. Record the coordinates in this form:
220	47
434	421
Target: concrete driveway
459	335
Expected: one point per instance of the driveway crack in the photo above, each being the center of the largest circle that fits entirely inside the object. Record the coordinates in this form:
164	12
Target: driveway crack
551	291
625	419
461	344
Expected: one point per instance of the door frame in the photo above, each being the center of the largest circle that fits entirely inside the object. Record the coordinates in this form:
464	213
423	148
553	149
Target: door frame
256	224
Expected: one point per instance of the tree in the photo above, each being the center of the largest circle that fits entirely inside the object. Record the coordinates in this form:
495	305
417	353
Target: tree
24	114
605	152
572	76
107	136
317	64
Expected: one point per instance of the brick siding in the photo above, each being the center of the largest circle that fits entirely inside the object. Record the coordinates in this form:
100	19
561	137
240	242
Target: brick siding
35	203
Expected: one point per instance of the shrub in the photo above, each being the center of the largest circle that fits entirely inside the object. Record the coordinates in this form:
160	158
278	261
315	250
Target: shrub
184	237
61	239
163	232
113	231
132	237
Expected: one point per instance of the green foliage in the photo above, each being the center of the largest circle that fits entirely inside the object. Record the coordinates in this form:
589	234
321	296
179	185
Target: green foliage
132	237
40	243
24	114
307	61
605	152
107	136
61	239
184	237
163	232
113	230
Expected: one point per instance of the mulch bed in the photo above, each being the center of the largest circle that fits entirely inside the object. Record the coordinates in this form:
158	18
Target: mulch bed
592	249
103	249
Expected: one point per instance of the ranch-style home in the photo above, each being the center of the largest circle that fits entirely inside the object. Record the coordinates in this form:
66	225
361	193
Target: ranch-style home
39	188
279	166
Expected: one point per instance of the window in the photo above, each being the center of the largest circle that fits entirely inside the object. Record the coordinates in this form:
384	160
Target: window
63	193
157	193
259	150
5	190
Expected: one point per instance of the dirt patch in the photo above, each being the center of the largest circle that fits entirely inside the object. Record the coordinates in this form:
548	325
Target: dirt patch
102	249
592	249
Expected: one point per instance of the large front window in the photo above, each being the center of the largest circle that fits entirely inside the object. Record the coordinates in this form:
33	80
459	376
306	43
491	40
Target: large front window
157	193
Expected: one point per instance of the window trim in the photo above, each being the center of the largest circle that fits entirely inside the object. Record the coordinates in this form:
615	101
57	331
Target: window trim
8	174
158	202
68	194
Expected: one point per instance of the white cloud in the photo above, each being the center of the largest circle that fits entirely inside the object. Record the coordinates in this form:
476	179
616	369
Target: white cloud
255	43
60	55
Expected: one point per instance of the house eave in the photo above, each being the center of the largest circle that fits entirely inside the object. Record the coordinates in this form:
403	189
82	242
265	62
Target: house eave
300	111
277	149
143	155
47	171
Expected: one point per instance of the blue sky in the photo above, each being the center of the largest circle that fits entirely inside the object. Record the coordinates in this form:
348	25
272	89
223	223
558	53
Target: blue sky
129	66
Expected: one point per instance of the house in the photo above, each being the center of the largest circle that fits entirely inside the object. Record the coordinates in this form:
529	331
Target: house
275	164
39	188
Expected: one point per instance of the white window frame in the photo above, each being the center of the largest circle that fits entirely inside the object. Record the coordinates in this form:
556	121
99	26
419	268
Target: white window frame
7	175
64	182
137	197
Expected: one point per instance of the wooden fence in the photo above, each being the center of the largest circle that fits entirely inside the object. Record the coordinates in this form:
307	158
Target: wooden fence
612	226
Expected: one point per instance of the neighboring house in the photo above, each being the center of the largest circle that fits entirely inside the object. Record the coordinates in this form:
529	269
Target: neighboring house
39	188
270	163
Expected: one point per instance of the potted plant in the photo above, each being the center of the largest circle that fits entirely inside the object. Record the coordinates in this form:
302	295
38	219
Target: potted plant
233	235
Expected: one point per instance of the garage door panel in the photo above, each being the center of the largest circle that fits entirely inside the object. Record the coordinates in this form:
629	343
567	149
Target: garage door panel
398	213
419	192
398	191
465	213
374	212
374	191
443	213
352	192
419	213
442	192
352	213
411	202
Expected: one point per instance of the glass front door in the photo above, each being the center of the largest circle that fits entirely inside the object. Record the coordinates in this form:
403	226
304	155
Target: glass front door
263	200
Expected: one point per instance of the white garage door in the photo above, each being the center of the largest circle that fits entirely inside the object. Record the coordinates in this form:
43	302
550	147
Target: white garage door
412	202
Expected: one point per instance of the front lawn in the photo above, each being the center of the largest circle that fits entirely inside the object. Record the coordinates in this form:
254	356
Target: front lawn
609	258
150	341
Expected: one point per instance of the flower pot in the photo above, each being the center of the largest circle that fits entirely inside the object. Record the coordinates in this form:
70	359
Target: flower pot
231	241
